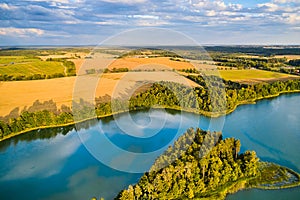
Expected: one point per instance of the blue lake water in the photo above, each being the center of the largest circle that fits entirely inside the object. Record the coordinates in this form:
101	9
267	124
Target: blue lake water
104	157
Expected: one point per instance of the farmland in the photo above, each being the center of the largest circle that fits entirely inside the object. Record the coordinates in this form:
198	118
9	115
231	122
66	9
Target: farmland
253	75
15	68
22	66
20	94
44	63
142	70
150	63
288	57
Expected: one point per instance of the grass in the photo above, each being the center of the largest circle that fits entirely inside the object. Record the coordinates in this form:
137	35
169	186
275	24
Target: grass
6	60
23	66
251	74
274	176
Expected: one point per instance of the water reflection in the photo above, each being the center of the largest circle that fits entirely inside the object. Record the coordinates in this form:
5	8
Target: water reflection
41	134
39	160
54	164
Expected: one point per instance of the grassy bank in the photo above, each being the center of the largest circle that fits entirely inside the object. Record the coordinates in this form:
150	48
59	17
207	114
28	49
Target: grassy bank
273	176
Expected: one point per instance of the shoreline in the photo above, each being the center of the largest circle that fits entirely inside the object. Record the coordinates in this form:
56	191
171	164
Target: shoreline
254	101
247	183
175	108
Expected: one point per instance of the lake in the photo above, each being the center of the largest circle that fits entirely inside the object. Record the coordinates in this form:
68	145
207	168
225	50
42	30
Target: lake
100	158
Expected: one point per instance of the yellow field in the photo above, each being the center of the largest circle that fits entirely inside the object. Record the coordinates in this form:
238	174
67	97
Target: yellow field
23	93
288	57
252	75
102	61
147	63
65	55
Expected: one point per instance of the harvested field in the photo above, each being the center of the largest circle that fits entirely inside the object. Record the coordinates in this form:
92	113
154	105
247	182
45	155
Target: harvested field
78	62
253	75
65	55
288	57
142	63
102	61
24	93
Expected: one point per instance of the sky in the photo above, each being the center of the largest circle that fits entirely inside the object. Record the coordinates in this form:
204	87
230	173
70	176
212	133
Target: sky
89	22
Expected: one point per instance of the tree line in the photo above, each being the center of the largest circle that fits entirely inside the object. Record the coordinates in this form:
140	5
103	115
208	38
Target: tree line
256	50
263	63
213	95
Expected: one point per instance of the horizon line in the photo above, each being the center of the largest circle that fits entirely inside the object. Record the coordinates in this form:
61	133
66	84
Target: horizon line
147	45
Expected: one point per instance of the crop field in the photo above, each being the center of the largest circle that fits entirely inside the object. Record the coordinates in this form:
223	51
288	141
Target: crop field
22	66
288	57
64	54
147	63
103	61
20	94
253	75
6	60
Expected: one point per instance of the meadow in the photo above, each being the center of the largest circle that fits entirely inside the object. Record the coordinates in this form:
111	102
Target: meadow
23	66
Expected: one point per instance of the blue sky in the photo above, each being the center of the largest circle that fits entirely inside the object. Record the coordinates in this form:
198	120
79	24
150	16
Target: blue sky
75	22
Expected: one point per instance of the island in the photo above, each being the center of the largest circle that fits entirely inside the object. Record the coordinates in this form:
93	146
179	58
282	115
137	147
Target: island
202	165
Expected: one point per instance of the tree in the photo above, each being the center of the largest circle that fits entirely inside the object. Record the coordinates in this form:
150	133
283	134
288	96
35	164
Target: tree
237	147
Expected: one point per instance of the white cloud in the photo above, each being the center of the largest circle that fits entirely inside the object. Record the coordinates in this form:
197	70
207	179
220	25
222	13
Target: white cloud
51	1
235	7
291	18
271	7
286	1
125	1
144	16
70	16
45	162
21	32
210	13
228	13
220	4
5	6
204	4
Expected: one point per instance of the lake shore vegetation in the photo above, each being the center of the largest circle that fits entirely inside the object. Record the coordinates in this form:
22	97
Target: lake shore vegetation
214	97
209	168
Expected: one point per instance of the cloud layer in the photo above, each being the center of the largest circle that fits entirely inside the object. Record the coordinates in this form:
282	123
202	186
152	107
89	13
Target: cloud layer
90	21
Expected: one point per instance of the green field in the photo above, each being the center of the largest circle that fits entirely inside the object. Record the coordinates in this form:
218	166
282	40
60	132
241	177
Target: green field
23	66
6	60
248	74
